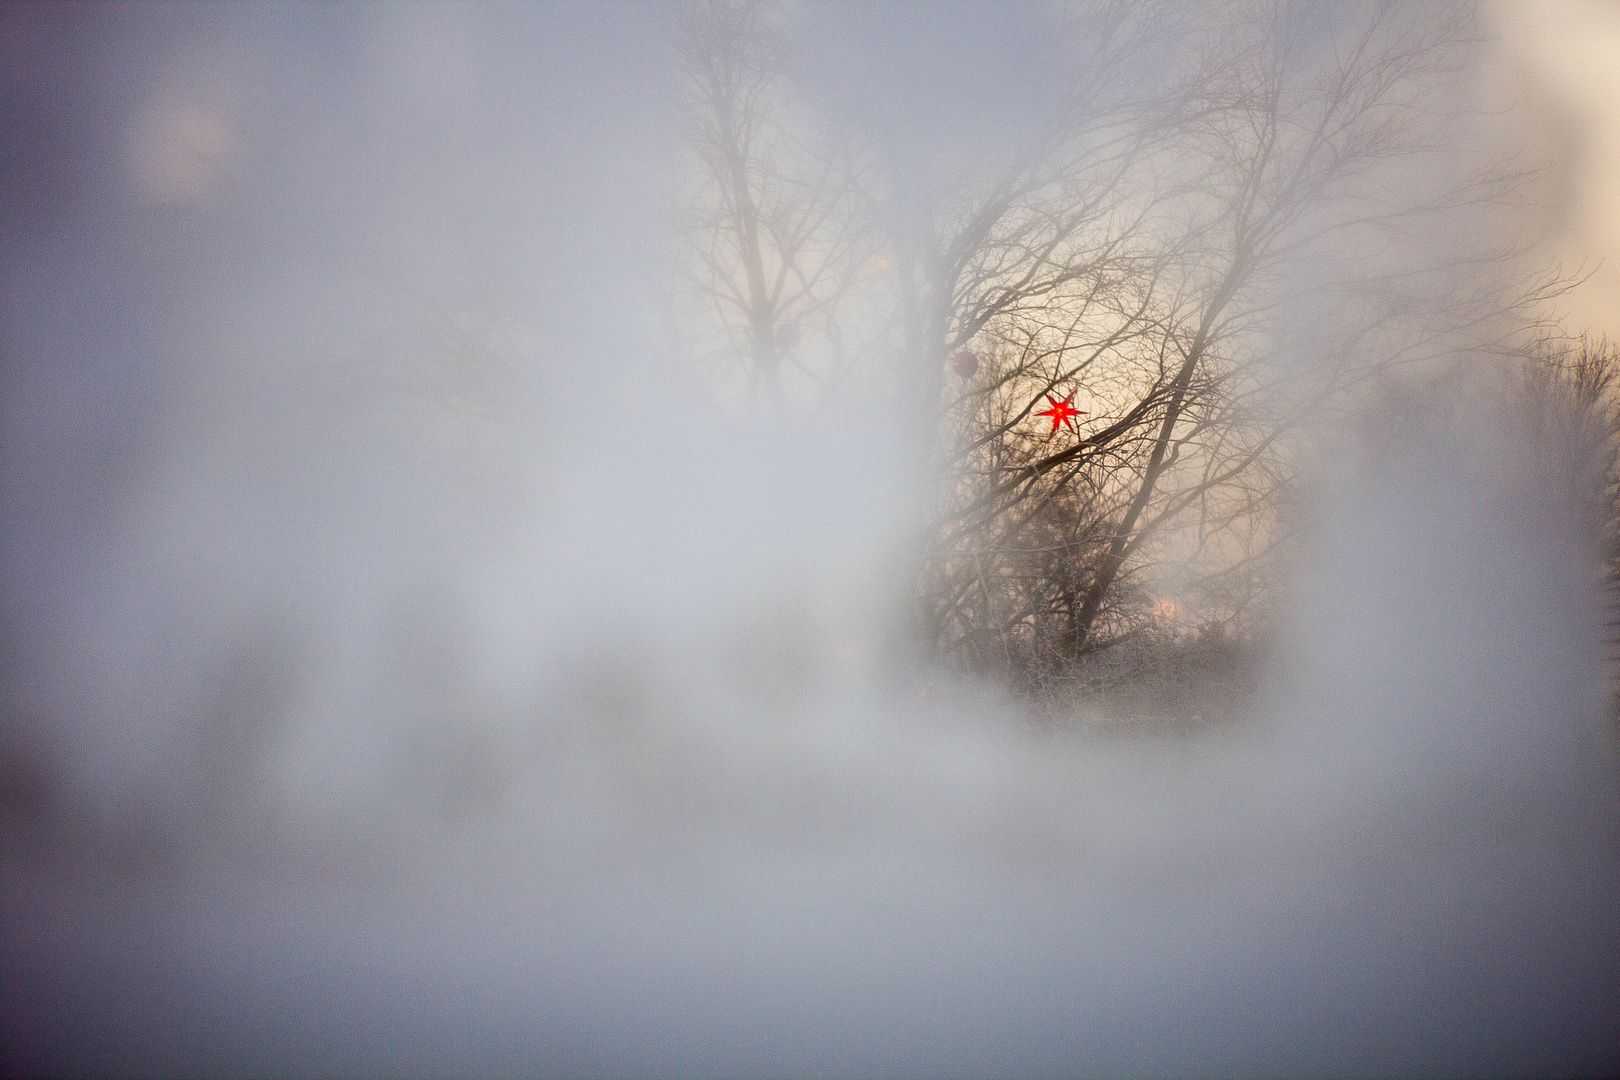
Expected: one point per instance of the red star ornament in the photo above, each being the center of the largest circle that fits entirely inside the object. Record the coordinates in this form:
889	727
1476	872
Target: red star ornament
1062	412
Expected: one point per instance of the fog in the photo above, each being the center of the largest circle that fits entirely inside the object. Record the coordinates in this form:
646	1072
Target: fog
409	669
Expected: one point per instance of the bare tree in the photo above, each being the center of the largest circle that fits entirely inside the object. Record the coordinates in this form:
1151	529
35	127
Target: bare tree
1204	260
1571	391
777	234
1274	166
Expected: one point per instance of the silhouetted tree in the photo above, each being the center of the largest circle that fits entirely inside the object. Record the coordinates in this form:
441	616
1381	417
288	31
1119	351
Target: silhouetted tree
1213	241
778	237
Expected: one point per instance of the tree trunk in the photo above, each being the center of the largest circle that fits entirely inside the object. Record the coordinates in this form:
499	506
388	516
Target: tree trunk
1120	544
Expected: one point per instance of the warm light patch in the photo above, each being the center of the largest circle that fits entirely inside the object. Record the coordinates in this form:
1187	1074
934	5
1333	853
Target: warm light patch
181	150
1571	47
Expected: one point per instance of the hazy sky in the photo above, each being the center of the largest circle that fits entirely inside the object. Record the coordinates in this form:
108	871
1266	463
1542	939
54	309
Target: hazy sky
1567	52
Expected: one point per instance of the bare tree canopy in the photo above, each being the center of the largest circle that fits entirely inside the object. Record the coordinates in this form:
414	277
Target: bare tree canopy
1160	258
778	238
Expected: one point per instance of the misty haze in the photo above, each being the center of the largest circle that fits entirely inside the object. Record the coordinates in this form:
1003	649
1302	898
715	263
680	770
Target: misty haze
821	539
